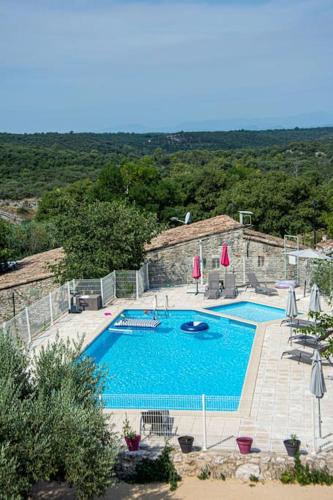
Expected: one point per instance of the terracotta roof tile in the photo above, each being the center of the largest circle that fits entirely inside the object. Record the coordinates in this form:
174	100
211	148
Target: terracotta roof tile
326	245
32	268
268	238
180	234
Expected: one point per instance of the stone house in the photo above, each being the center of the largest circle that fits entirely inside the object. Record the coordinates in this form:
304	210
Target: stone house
170	254
32	280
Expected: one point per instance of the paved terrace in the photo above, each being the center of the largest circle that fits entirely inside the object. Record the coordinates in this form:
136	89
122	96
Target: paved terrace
276	400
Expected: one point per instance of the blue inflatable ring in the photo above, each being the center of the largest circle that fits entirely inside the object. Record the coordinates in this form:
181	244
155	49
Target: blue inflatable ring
194	326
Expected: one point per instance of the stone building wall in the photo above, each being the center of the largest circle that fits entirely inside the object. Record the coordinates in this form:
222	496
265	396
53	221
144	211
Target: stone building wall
173	265
24	294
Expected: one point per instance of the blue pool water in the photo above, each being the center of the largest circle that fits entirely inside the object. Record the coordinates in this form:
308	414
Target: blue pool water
167	361
251	311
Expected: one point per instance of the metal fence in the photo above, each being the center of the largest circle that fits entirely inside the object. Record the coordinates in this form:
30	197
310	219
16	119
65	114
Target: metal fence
126	284
40	315
108	288
171	402
169	416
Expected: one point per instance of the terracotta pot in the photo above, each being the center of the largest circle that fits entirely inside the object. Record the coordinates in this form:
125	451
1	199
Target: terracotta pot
133	443
244	444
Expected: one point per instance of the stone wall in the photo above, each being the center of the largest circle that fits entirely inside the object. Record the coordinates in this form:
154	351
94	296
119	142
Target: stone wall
265	466
173	265
24	295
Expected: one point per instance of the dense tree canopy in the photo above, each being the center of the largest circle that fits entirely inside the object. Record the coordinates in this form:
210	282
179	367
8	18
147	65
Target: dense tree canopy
288	186
101	237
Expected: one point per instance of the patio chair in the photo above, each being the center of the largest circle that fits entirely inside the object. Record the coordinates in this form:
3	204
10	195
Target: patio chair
229	291
156	422
254	283
213	290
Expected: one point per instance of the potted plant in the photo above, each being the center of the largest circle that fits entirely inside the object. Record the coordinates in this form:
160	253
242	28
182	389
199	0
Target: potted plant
244	444
292	445
186	443
132	439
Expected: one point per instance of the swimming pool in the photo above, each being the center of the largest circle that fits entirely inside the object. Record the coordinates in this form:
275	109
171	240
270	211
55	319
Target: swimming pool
251	311
174	367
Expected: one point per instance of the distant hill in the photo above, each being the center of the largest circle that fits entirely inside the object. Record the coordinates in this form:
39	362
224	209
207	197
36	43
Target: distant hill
170	142
31	164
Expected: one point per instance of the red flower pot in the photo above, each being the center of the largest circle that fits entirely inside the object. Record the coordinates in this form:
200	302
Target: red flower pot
244	444
133	443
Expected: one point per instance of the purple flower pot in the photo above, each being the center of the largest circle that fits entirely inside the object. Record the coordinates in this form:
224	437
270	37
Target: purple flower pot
244	444
133	443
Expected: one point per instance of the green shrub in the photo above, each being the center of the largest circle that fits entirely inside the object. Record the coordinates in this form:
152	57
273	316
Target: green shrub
204	474
51	423
161	469
305	475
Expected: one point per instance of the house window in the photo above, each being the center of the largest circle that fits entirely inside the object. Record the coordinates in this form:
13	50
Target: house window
261	260
215	262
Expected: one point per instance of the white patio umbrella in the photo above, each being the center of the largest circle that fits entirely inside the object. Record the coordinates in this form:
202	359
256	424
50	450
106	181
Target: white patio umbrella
317	385
308	253
291	307
314	305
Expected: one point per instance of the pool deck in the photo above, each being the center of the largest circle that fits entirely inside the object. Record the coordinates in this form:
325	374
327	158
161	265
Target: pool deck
276	401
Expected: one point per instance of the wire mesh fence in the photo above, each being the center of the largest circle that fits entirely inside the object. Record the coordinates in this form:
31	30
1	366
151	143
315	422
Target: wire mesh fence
142	279
170	402
211	420
40	315
126	284
108	288
86	286
60	302
18	327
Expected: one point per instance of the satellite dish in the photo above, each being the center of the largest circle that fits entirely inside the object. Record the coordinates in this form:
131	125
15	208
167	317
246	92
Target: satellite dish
188	218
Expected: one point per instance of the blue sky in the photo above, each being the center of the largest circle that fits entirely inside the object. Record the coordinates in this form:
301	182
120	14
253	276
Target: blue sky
136	65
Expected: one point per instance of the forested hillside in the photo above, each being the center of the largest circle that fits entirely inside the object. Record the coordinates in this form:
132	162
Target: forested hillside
169	142
30	170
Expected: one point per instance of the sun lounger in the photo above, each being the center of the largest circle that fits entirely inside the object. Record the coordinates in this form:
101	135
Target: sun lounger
254	283
311	340
305	356
298	323
229	291
213	290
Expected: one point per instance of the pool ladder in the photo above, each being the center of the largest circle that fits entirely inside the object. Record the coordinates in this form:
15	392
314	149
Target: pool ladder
165	308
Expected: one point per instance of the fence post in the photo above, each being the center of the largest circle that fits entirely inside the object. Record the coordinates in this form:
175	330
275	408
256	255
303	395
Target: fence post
4	326
204	427
28	324
102	291
51	308
137	284
69	295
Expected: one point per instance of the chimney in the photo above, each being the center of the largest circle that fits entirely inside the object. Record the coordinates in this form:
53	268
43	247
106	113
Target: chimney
245	217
